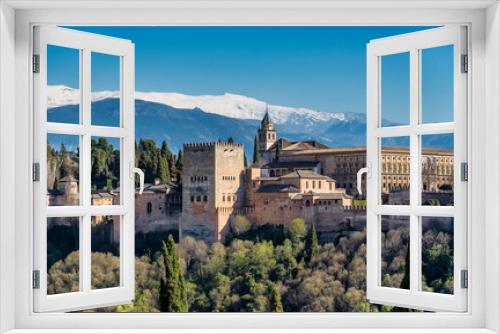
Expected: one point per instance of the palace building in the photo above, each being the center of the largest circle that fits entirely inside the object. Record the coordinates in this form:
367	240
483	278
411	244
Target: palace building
292	179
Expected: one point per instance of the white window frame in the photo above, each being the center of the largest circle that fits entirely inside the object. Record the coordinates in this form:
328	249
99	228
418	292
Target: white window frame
16	20
412	44
85	44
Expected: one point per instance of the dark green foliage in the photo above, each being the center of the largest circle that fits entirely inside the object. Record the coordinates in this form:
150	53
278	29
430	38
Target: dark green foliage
173	294
256	150
155	162
433	202
178	163
245	162
105	164
163	172
151	242
61	163
273	233
312	248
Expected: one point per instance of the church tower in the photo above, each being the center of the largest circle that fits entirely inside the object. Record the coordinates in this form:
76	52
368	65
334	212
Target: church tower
266	133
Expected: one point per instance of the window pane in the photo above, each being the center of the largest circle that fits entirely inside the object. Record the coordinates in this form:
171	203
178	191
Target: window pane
105	89
63	85
395	89
63	256
395	253
105	172
105	240
395	171
437	170
437	254
437	84
63	170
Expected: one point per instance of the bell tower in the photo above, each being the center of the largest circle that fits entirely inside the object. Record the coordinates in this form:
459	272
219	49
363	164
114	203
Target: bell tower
267	133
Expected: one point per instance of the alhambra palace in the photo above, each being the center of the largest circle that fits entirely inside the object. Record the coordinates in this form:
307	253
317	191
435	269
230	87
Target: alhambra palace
290	179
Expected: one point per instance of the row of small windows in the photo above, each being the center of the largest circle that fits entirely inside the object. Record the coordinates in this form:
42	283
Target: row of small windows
313	183
198	178
199	198
229	178
229	198
270	136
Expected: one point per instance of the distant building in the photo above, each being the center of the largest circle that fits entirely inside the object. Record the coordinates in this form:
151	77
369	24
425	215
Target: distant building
342	164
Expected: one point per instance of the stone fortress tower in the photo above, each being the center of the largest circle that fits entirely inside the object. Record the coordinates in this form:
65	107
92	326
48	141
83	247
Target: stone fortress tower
212	191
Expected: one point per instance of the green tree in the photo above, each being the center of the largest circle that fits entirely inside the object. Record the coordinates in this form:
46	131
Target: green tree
297	229
405	282
172	166
240	224
275	298
173	292
255	150
162	172
245	162
178	163
312	248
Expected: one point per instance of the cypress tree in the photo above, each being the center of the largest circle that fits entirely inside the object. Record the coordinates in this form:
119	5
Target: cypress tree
275	298
255	150
312	248
178	163
405	282
245	162
173	294
171	166
163	172
230	140
165	152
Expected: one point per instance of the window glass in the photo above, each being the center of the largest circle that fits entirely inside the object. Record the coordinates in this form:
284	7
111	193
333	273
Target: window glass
437	84
395	252
63	170
63	80
105	90
63	255
105	170
437	169
395	89
437	254
395	170
105	238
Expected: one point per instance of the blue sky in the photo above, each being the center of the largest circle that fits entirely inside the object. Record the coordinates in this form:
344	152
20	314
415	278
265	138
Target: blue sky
315	67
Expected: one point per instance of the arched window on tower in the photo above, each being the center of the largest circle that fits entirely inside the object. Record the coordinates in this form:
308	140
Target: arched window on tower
149	208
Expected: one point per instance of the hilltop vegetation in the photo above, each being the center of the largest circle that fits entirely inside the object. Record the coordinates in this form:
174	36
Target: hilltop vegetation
252	273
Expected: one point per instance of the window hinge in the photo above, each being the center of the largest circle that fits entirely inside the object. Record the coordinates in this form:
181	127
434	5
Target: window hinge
464	170
36	63
465	64
36	279
464	279
36	172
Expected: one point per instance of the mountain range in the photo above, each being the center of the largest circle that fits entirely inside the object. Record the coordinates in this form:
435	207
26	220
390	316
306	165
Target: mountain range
179	118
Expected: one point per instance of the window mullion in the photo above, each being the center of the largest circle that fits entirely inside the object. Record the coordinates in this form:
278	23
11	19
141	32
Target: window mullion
414	169
85	179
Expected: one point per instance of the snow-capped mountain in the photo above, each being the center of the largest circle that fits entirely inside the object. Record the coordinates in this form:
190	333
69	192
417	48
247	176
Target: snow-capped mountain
228	105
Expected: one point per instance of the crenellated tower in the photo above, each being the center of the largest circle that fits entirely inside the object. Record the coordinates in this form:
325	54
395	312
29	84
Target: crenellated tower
212	181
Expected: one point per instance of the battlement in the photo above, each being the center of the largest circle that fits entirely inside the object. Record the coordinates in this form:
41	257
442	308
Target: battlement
208	146
355	208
